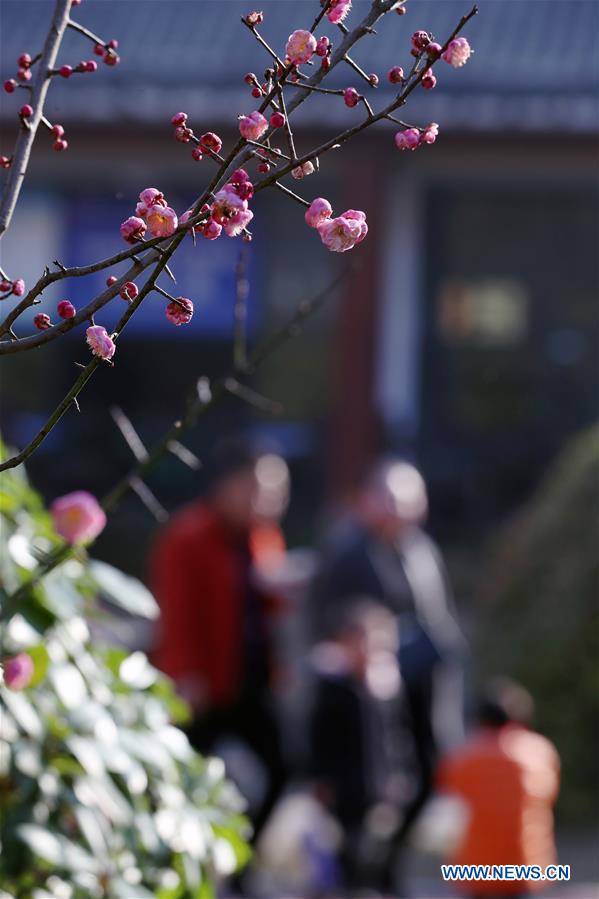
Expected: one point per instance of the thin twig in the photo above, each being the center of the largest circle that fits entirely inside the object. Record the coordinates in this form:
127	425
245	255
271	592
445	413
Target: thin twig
22	151
291	194
130	435
76	26
205	396
242	289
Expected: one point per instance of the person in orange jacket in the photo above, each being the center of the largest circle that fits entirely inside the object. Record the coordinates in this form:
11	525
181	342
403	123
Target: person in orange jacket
508	777
213	636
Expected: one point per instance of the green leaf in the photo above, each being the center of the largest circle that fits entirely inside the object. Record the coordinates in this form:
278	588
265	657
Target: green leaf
56	849
69	684
121	590
41	659
23	712
136	671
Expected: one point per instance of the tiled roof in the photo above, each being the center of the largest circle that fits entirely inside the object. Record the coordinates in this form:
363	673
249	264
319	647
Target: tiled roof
536	62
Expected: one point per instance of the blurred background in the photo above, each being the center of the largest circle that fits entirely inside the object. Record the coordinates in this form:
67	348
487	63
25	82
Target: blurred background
464	340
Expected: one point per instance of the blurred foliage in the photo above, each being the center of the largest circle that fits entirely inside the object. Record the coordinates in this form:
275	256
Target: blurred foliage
100	794
542	625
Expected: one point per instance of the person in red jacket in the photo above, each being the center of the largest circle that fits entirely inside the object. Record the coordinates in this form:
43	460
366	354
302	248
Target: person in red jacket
213	636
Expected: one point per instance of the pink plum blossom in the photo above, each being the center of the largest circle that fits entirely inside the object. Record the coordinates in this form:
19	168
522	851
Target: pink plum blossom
212	230
78	517
252	126
18	671
238	222
458	52
100	342
227	203
358	216
338	10
162	221
133	229
18	287
301	171
340	234
408	139
430	134
178	315
319	210
300	47
151	196
183	219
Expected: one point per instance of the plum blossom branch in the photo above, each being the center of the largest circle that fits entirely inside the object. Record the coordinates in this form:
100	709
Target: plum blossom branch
344	136
20	159
71	396
229	208
203	398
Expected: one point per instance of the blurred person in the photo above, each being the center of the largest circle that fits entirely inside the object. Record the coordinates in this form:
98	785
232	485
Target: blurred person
383	552
214	638
508	777
354	737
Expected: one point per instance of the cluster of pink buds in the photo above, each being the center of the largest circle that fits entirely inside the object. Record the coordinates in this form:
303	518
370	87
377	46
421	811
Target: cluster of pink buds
181	133
84	66
337	10
108	52
151	214
5	162
337	234
323	48
11	288
229	208
252	80
24	73
65	310
411	138
60	142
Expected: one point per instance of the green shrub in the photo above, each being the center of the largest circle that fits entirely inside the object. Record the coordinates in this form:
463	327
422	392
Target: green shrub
542	626
100	794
